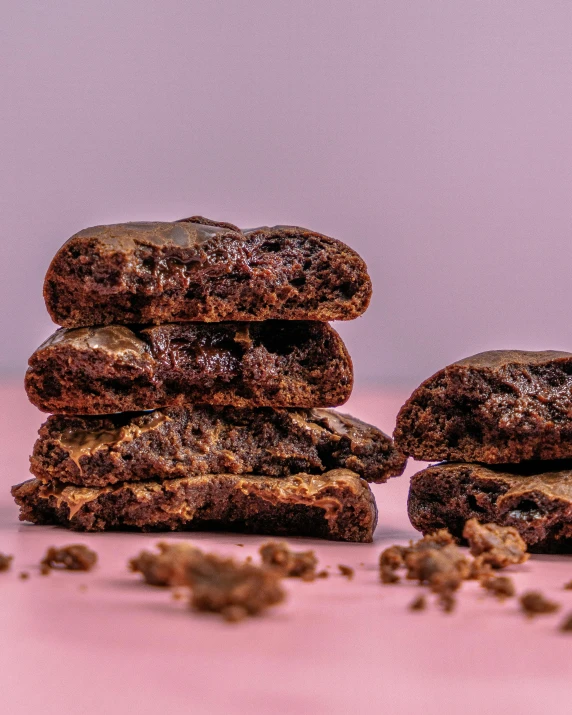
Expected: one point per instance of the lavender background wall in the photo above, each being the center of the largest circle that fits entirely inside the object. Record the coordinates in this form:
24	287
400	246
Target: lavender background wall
433	136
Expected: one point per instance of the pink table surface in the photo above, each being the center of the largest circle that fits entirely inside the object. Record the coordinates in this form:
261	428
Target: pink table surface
336	646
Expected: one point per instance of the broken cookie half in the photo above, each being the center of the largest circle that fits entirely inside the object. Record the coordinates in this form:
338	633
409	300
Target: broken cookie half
335	505
535	499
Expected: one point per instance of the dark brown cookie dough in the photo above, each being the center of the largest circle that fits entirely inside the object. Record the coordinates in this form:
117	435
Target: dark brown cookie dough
336	505
196	269
181	441
497	407
530	497
117	369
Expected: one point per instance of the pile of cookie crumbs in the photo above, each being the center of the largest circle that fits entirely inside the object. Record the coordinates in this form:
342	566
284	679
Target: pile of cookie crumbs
437	562
221	585
239	589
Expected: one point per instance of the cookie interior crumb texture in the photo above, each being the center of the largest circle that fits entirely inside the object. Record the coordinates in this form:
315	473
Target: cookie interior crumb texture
534	498
335	505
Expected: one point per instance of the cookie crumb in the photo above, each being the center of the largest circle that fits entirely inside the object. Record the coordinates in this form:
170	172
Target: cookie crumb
292	564
388	575
45	569
177	595
235	590
82	587
533	603
239	544
566	625
447	601
390	560
418	604
500	586
568	586
24	575
5	562
435	560
322	574
166	568
74	557
346	571
494	545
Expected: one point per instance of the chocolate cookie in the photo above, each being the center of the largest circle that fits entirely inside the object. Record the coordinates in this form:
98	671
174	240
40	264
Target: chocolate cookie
495	407
530	497
118	369
200	270
335	505
182	441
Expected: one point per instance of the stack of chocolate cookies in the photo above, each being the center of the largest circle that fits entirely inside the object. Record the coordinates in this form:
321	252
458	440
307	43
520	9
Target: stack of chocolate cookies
189	382
503	422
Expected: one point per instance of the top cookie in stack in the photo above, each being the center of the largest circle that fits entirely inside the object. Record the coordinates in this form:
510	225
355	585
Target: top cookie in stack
200	270
499	416
222	332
